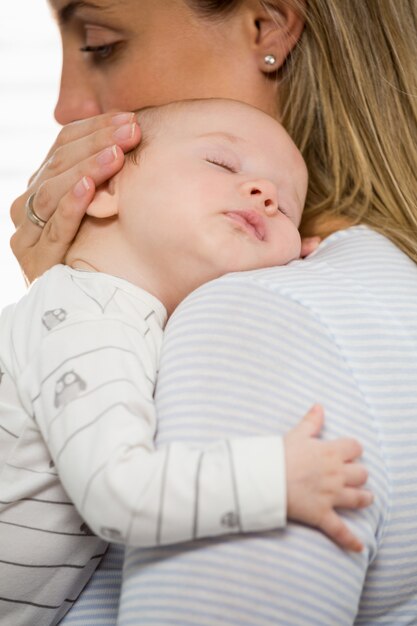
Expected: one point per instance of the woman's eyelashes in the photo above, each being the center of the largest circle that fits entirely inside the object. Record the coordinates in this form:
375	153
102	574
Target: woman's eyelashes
102	53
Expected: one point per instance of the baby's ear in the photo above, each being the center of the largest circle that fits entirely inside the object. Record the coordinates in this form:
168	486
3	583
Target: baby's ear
105	202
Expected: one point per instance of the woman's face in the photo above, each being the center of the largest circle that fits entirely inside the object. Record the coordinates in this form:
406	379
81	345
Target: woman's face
149	52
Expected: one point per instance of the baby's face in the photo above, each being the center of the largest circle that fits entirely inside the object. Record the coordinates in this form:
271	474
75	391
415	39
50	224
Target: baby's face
220	188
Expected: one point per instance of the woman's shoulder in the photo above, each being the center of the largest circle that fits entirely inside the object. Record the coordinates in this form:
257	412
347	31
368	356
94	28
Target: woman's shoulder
349	256
355	266
353	257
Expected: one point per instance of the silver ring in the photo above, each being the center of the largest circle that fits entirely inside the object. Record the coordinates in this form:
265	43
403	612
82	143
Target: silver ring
35	219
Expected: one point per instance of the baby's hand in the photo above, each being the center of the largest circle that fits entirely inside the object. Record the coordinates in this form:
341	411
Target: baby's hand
309	245
321	476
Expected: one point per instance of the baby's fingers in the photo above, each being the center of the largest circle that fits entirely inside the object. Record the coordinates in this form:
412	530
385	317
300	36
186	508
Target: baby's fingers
356	474
309	245
348	449
351	498
333	526
311	424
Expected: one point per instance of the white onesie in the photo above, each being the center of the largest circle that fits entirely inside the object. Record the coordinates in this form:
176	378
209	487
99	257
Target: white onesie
79	357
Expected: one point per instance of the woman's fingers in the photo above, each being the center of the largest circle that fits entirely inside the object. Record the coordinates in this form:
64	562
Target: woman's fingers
89	126
81	129
99	167
61	229
38	249
89	150
75	145
58	233
67	155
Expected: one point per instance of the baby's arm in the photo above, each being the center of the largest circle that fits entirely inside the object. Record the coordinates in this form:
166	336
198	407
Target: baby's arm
91	385
322	476
92	392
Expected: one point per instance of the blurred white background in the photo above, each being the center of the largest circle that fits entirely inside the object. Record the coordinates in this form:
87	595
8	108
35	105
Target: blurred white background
30	57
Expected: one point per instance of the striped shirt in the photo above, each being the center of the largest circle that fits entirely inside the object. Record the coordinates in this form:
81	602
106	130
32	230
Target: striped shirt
79	355
246	355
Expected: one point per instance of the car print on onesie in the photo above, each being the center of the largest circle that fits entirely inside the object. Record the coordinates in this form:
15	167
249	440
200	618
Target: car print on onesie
67	388
52	318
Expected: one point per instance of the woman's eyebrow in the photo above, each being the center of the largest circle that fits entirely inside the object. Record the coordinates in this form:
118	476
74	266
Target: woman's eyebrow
66	12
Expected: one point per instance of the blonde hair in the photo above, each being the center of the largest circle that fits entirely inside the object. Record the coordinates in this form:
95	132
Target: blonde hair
348	97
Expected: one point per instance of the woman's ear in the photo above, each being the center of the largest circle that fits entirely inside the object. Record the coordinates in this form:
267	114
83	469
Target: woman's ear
278	29
105	202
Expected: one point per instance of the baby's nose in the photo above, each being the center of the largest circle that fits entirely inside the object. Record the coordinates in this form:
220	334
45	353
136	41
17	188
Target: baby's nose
265	194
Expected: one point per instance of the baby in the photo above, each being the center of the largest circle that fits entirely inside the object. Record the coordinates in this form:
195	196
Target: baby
215	186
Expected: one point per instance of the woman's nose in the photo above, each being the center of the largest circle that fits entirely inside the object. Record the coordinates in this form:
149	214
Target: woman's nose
76	99
263	194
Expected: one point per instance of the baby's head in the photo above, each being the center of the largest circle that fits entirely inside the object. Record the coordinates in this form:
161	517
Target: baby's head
215	186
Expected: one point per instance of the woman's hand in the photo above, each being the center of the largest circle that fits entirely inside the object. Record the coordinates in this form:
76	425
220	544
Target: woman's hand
85	154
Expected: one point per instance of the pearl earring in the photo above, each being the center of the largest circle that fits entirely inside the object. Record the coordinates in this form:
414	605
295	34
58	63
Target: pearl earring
269	59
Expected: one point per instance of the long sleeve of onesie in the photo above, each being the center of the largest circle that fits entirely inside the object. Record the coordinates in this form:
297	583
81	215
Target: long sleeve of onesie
90	381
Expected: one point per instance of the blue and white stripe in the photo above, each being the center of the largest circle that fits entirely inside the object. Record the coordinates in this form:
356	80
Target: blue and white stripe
247	355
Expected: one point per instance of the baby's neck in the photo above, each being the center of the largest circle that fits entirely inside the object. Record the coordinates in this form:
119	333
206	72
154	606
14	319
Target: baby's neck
101	247
81	264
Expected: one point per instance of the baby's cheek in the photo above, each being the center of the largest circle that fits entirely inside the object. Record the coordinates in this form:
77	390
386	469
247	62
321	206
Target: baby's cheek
287	245
297	243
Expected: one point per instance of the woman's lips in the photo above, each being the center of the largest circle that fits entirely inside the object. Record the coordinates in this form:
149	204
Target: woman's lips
251	222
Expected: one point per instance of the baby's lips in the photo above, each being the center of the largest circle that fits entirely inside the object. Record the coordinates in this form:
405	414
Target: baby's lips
251	221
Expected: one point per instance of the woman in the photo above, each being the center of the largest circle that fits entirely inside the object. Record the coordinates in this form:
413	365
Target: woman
257	349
